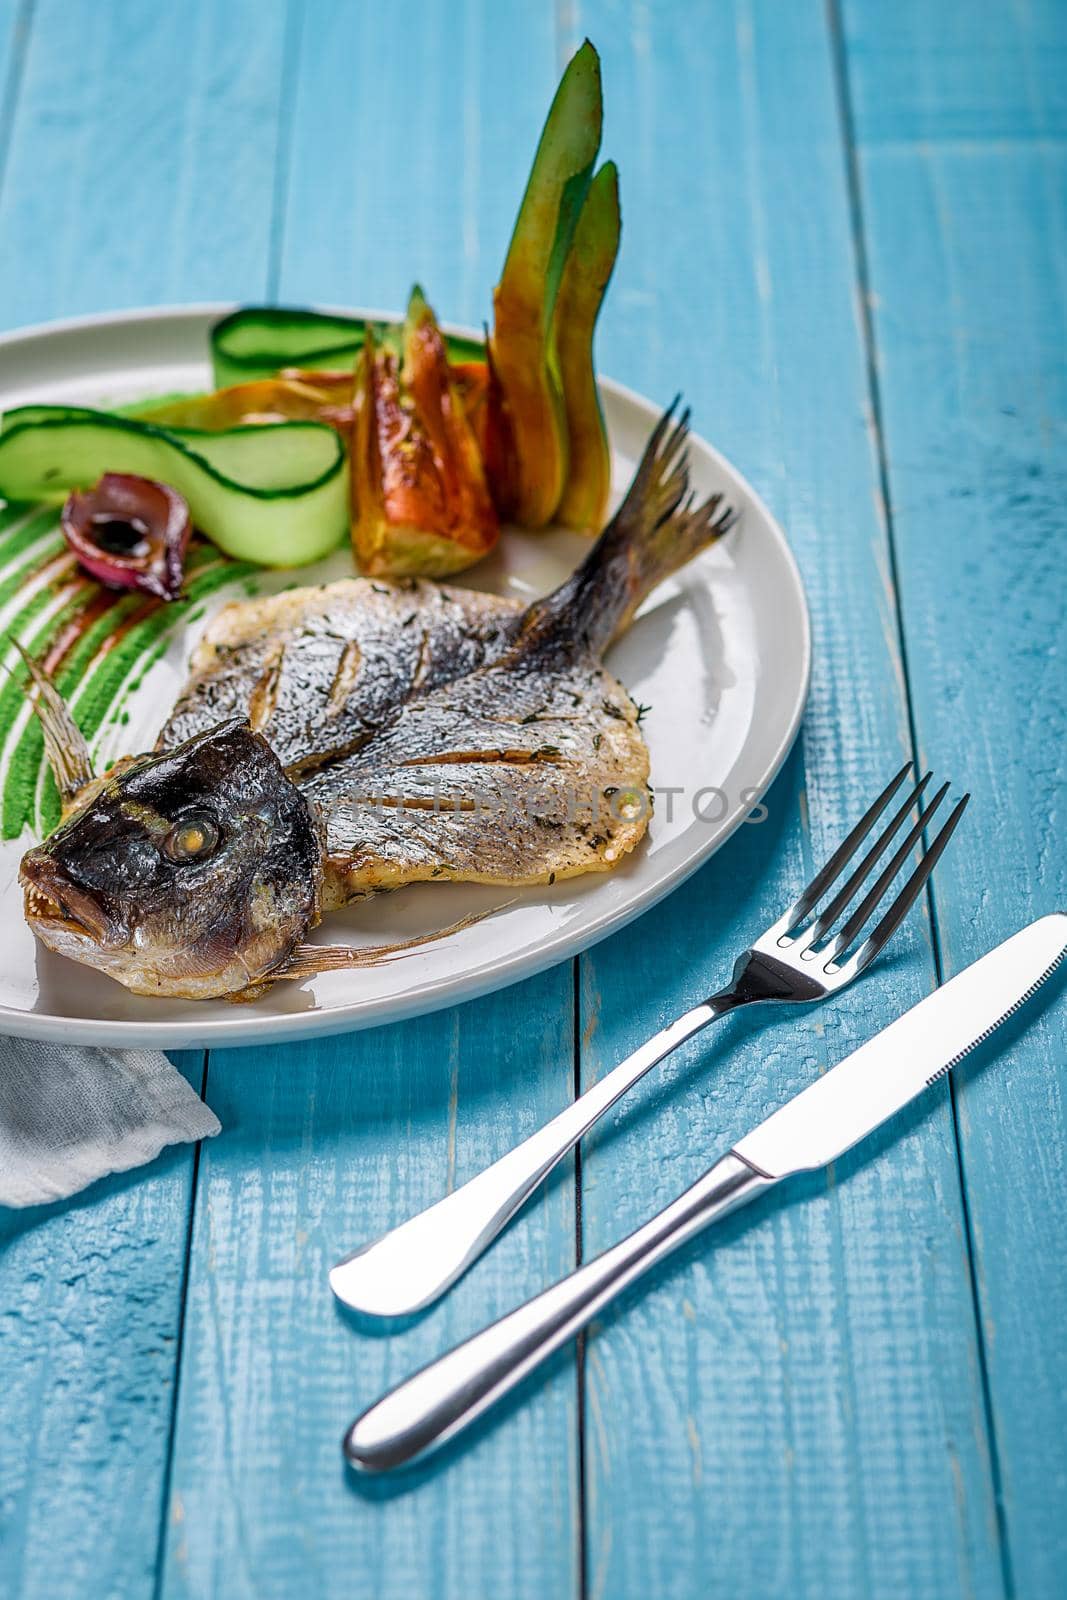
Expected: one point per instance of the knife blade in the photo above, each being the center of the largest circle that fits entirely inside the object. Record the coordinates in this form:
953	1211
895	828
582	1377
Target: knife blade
877	1080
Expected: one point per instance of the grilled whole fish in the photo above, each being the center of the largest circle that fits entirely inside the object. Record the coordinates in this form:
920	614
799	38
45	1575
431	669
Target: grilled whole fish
359	736
438	763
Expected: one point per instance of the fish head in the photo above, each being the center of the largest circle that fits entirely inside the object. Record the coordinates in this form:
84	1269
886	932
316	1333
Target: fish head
191	873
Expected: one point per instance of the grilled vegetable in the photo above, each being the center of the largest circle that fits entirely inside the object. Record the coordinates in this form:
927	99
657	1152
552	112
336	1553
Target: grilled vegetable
259	341
295	395
274	495
483	401
524	300
420	500
585	278
130	533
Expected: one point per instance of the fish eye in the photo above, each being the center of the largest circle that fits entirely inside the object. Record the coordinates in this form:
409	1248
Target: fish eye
191	839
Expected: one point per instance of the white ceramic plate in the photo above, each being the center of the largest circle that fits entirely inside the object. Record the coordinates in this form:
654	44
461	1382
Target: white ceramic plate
720	654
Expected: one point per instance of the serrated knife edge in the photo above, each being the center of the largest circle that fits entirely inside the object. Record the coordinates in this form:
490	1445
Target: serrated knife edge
841	1107
1001	1020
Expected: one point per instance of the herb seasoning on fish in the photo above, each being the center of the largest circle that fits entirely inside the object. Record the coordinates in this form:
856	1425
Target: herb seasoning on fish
324	749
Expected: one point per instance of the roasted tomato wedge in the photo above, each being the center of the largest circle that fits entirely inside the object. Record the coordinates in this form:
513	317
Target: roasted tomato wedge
421	504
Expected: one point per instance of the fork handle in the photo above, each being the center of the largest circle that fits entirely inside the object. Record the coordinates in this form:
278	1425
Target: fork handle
409	1267
438	1402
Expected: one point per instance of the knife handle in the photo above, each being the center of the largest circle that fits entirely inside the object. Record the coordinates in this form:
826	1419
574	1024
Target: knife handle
444	1397
411	1265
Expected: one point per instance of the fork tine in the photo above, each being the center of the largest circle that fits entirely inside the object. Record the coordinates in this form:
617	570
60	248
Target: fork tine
844	895
910	892
832	870
885	878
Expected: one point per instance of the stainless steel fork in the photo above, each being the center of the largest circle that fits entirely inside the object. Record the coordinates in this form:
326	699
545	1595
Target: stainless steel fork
800	958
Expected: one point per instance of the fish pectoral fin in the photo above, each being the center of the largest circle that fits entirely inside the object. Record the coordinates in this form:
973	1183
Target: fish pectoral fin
65	744
308	960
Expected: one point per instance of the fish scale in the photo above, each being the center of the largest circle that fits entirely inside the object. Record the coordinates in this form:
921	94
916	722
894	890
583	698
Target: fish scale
409	636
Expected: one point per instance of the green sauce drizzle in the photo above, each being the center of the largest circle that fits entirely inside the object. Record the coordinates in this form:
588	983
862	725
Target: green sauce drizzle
102	681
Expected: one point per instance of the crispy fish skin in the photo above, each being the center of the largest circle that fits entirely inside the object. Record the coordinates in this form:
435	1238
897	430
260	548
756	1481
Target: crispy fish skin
498	778
317	670
424	749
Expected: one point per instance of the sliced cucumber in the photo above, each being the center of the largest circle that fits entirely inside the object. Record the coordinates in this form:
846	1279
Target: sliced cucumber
257	341
276	494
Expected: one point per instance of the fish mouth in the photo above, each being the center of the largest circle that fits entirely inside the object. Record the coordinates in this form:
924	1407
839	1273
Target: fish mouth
53	902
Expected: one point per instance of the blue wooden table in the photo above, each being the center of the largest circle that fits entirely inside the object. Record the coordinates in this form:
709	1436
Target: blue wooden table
845	239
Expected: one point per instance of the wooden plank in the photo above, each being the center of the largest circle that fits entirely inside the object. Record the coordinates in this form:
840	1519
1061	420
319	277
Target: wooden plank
326	1145
411	148
795	1408
92	1295
140	167
961	122
15	19
142	156
411	136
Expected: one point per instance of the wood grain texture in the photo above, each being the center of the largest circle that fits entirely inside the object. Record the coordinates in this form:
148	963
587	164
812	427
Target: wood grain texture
15	19
323	1147
797	1407
329	1143
412	137
142	156
92	1295
111	184
961	123
808	1404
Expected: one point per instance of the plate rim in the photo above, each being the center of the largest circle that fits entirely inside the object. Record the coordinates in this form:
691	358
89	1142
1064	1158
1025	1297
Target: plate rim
238	1031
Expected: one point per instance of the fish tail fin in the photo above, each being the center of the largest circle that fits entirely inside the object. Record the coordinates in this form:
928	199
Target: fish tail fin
658	528
65	744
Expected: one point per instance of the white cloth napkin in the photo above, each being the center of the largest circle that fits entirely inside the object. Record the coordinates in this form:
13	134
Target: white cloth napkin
72	1113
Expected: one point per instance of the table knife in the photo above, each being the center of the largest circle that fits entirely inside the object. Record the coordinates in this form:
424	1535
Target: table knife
809	1131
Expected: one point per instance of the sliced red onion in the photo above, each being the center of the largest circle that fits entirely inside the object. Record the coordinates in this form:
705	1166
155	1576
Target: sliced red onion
130	533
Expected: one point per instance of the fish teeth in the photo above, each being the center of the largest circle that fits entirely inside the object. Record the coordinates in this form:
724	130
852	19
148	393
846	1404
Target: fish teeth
39	904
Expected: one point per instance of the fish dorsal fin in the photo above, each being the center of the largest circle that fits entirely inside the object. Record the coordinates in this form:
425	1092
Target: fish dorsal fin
65	744
308	960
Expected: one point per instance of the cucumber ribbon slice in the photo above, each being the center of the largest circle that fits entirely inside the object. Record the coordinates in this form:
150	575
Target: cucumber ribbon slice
258	341
275	494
